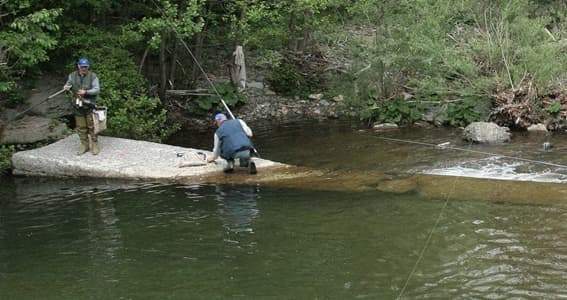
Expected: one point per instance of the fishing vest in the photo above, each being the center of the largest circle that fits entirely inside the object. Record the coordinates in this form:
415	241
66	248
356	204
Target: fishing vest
232	139
83	83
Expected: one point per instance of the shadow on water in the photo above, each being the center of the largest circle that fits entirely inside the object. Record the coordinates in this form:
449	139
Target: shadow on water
351	225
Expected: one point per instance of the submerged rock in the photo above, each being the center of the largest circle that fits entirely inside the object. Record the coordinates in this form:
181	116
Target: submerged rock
485	132
398	186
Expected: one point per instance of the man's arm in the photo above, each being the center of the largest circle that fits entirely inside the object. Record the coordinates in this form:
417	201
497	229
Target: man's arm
95	88
69	84
216	150
245	127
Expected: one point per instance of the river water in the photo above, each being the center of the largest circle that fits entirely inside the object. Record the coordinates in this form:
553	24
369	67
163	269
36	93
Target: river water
486	238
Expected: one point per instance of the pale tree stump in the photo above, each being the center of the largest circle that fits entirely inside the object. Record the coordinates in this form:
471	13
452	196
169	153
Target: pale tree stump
238	69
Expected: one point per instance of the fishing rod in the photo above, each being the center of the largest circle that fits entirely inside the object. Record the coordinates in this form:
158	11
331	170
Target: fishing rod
37	104
202	71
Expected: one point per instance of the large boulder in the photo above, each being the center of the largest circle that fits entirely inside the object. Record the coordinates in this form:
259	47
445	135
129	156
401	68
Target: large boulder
485	132
32	129
55	107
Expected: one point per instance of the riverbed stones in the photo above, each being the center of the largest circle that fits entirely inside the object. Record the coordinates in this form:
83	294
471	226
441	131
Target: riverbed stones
486	133
537	128
316	97
32	129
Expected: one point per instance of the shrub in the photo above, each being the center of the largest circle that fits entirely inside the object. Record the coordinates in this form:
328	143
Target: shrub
132	113
462	113
205	105
6	152
395	111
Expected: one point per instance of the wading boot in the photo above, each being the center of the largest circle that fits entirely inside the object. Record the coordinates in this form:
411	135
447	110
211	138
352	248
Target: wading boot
252	168
82	132
229	166
95	149
84	146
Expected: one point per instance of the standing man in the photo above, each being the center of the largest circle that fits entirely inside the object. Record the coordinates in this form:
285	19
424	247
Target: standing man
232	140
85	87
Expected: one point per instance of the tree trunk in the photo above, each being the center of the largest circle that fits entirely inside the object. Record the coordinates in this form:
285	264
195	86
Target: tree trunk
162	66
197	52
292	42
173	66
143	60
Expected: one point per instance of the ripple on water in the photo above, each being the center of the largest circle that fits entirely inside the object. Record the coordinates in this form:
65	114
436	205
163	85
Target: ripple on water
517	253
503	169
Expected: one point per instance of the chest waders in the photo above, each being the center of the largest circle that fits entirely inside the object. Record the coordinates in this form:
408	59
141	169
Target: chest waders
84	113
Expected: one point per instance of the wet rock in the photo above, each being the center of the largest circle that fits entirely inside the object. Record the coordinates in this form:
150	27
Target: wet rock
537	127
398	186
485	132
30	130
55	107
421	124
385	126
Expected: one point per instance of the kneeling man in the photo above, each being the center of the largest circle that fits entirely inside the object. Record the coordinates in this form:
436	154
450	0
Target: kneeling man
232	140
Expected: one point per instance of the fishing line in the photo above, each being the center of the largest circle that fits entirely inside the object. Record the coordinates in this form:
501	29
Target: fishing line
443	147
162	12
435	225
428	240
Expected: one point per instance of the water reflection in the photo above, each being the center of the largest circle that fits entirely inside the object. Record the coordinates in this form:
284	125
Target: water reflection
237	208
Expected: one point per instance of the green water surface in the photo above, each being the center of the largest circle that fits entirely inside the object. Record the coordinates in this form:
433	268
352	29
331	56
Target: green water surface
107	239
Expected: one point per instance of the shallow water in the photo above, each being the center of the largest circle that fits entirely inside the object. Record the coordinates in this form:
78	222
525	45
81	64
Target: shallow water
109	239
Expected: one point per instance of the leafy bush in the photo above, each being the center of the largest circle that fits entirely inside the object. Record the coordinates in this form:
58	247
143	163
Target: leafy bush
132	113
285	79
5	157
450	50
554	108
396	111
205	105
462	113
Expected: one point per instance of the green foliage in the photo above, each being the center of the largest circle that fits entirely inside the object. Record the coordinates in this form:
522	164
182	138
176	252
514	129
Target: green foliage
182	19
462	113
25	39
396	111
554	108
451	50
6	152
287	79
229	94
132	113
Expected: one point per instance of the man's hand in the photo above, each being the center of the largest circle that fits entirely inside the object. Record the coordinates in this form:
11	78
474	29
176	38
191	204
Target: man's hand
81	92
67	87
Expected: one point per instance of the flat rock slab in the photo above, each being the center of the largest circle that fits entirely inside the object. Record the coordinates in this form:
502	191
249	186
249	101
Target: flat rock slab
119	158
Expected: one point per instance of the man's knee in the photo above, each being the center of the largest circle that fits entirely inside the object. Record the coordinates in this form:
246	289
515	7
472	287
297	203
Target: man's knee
243	158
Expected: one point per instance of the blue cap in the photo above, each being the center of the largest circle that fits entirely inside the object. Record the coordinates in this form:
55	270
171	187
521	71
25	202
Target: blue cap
220	117
83	62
